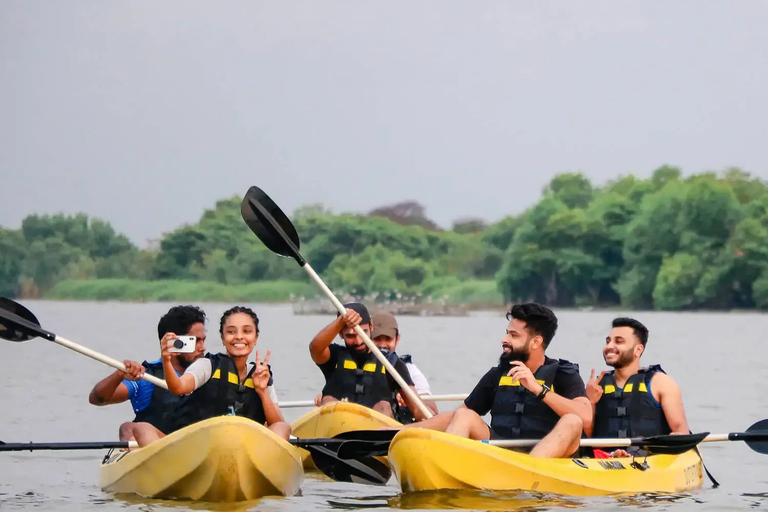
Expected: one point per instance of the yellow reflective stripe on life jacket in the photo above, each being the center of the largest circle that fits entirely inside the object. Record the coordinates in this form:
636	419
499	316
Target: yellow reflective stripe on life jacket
369	367
506	380
232	378
642	388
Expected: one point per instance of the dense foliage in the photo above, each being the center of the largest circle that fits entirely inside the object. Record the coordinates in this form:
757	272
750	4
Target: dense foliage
667	242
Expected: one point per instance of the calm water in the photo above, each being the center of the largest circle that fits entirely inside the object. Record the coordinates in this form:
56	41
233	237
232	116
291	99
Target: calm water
718	360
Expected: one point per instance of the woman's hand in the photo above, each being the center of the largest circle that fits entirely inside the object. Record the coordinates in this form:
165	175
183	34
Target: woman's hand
260	375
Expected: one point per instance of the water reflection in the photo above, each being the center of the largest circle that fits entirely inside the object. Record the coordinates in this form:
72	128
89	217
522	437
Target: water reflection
462	500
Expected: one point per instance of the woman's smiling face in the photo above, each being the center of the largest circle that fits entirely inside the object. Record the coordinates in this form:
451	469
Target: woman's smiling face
239	334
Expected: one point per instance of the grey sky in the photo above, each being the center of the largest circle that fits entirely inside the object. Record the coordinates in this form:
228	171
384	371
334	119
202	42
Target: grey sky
144	112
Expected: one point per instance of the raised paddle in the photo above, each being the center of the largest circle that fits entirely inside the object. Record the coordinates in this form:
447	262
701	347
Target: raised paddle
17	323
434	398
369	443
276	232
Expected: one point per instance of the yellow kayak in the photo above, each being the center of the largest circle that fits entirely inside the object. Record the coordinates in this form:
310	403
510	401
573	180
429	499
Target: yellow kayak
428	460
222	459
333	419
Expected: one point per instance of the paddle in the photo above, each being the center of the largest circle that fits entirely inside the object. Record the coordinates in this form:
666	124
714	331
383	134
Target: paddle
276	232
18	324
20	447
365	470
434	398
370	443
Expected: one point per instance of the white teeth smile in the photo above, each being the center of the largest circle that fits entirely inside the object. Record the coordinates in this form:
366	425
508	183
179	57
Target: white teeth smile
239	345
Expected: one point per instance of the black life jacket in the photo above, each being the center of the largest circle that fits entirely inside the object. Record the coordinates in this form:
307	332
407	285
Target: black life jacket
222	395
632	411
365	384
162	407
517	413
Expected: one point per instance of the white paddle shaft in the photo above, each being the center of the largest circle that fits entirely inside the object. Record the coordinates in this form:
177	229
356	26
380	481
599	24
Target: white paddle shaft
104	359
368	343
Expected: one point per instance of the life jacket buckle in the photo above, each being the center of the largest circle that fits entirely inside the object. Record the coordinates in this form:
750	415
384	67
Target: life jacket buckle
519	408
359	389
621	411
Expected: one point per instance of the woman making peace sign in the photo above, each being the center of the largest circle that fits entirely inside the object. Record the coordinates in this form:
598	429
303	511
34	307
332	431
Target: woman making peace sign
222	384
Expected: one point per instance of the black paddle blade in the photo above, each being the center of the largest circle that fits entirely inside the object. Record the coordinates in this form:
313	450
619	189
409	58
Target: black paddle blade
671	445
756	437
17	323
356	449
270	224
364	471
369	435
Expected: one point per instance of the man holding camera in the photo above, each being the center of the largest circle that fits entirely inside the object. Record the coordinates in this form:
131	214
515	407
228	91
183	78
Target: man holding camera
151	404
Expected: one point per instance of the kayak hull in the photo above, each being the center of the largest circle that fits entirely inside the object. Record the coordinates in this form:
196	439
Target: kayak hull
337	417
222	459
427	460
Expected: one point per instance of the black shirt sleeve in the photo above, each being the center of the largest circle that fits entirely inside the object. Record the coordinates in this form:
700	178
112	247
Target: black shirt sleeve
481	398
329	366
569	385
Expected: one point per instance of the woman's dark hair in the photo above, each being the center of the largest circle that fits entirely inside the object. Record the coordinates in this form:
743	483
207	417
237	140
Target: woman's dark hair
179	320
238	309
538	320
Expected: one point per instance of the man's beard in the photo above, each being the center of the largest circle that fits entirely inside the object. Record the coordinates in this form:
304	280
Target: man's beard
507	358
184	363
625	359
359	355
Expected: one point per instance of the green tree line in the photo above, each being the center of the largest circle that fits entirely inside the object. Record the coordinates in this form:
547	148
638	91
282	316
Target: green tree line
668	242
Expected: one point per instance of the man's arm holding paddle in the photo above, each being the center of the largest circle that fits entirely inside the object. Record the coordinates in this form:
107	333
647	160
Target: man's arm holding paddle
111	390
319	346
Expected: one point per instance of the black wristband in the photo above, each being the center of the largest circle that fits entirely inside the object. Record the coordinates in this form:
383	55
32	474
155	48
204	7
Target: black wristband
544	390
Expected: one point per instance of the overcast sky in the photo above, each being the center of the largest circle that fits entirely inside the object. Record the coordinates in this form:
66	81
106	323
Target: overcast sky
145	113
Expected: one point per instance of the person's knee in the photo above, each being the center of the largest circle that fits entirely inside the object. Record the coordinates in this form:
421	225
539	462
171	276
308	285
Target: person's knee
464	414
572	423
281	428
384	408
125	432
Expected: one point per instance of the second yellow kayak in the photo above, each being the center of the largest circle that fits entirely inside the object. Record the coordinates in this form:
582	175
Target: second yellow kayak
427	460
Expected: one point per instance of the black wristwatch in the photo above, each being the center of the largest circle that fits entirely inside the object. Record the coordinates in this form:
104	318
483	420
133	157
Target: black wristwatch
544	390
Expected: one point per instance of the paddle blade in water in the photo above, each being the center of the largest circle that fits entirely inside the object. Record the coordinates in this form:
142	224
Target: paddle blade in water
17	323
270	224
356	449
364	471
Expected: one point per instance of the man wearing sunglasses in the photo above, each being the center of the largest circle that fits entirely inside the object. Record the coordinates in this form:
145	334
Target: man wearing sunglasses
351	371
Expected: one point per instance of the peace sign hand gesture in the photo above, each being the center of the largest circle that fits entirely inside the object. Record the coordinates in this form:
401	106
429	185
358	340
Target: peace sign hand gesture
594	389
261	373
